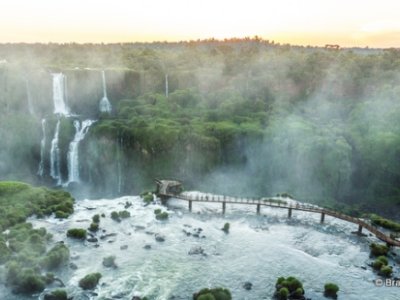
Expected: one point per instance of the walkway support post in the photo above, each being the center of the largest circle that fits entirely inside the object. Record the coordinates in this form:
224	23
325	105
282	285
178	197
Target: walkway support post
223	207
322	217
190	205
290	213
258	209
359	229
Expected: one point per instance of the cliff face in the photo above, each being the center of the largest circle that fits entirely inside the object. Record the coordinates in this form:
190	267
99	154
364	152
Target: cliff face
116	156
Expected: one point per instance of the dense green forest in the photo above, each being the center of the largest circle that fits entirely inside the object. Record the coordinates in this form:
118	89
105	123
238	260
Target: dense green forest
241	117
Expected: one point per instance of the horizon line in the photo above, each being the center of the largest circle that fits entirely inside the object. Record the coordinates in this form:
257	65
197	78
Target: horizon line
254	38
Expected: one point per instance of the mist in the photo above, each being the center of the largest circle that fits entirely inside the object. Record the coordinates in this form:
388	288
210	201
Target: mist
242	117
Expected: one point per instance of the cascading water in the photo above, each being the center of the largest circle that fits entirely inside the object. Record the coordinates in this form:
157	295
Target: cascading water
29	98
73	153
59	94
42	149
55	172
105	105
120	143
166	86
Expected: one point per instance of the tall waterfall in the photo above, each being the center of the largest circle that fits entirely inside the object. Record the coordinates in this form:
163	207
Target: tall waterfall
55	172
42	149
105	105
59	94
73	153
29	98
166	85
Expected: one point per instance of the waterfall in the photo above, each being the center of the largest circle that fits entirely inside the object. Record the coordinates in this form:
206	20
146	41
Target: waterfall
73	152
166	85
120	142
29	98
42	149
55	156
59	94
105	105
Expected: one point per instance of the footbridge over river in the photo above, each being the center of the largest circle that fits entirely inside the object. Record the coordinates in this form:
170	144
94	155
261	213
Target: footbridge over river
172	189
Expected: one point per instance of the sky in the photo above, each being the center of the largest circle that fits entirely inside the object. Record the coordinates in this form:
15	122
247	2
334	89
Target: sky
306	22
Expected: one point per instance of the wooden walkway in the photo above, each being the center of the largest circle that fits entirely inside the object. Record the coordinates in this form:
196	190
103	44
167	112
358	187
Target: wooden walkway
284	205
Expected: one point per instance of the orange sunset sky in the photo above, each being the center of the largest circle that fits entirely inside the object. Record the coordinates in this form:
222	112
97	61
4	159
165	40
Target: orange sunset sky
307	22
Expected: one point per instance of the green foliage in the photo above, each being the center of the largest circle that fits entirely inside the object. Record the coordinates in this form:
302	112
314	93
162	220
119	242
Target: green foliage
226	227
56	257
96	218
213	294
283	293
90	281
207	296
124	214
385	223
377	264
118	216
5	252
19	201
115	216
77	233
378	249
386	271
288	286
24	280
56	295
161	215
93	227
330	290
148	198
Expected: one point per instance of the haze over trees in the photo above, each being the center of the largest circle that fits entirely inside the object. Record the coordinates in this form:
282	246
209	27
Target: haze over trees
241	117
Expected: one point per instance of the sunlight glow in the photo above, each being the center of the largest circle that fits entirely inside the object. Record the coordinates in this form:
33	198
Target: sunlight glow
351	23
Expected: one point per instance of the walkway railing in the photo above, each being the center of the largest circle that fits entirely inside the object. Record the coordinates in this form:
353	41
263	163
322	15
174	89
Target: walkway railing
284	205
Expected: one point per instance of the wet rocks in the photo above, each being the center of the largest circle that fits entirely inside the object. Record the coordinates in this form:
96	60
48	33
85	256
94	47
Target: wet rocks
247	285
105	236
159	237
123	247
109	262
194	232
196	250
92	240
147	247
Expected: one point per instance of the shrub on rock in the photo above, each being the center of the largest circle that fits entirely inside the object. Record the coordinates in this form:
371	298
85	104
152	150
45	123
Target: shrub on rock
160	215
93	227
226	227
379	249
90	281
56	295
288	286
386	271
96	218
115	216
124	214
56	257
77	233
330	290
213	294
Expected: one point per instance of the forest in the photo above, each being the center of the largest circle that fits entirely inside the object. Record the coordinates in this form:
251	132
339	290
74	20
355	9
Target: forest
238	117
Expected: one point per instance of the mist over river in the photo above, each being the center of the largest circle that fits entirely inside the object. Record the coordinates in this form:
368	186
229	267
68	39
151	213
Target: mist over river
258	249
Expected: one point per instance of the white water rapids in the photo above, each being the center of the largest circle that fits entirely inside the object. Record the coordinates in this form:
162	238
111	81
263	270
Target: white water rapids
258	249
